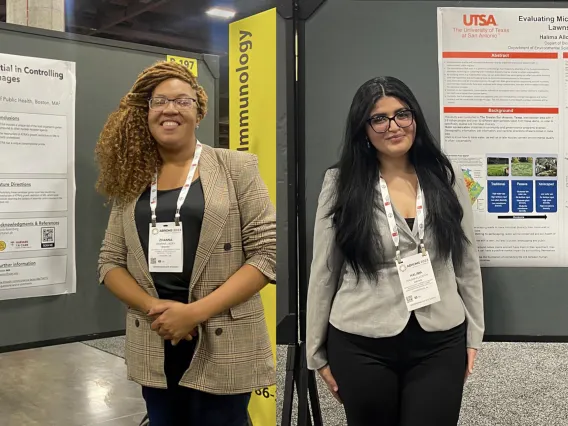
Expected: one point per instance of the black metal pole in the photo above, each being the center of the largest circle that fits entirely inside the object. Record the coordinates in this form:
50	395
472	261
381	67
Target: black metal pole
307	386
296	368
287	330
287	327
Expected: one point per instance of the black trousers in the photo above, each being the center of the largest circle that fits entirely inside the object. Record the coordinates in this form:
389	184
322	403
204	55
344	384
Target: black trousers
413	379
181	406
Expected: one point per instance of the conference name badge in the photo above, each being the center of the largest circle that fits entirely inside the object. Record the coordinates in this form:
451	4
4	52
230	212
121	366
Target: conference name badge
418	281
165	247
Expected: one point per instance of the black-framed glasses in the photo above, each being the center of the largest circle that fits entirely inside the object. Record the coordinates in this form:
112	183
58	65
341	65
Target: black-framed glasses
381	123
159	103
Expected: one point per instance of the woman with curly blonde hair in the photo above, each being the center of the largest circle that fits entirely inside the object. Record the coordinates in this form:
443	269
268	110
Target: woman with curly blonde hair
191	240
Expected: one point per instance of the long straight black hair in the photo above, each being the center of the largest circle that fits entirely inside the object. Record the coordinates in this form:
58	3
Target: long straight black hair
353	209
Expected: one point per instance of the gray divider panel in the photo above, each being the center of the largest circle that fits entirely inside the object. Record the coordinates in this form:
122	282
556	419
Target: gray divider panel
349	42
106	71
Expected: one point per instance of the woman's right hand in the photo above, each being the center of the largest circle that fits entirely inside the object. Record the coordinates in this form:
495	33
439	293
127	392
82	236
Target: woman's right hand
325	373
156	302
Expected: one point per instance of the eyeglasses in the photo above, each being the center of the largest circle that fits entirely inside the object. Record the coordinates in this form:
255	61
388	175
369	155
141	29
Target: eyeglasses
381	123
160	103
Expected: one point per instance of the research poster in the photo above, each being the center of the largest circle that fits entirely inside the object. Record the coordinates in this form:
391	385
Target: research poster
503	77
37	177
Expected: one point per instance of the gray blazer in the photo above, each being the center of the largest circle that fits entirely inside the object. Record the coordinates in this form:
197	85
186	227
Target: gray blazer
377	309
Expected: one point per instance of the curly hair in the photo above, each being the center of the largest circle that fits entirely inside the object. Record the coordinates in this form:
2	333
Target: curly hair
126	151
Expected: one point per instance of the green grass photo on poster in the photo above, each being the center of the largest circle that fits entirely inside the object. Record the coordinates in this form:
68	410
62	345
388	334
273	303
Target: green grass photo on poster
497	166
522	166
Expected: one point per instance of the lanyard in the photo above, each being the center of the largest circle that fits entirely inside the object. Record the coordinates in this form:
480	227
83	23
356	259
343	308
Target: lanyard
391	219
183	192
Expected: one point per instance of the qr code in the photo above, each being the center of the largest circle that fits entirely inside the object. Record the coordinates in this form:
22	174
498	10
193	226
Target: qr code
47	237
152	261
409	299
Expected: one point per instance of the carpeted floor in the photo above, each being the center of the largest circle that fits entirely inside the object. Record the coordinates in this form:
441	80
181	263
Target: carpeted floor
514	384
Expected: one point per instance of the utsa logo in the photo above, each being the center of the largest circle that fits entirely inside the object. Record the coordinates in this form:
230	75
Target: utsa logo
479	20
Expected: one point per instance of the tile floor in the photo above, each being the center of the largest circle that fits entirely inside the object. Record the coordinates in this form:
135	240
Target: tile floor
67	385
515	384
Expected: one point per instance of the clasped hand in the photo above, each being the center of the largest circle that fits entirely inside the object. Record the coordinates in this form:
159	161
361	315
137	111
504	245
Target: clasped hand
174	321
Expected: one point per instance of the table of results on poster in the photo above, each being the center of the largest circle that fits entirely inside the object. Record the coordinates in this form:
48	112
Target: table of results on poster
504	97
37	177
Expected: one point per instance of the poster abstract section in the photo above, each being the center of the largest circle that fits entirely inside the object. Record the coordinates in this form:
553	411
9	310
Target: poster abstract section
503	97
37	177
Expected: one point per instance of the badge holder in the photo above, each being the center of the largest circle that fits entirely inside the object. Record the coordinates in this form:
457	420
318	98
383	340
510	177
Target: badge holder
154	227
166	254
416	275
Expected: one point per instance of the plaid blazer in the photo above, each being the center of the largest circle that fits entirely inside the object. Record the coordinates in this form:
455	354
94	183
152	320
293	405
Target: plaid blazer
233	354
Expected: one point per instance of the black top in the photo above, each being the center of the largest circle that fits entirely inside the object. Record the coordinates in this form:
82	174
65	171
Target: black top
173	285
410	222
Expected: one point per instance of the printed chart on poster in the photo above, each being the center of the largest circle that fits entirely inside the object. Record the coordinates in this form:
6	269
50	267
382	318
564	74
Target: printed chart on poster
37	177
503	98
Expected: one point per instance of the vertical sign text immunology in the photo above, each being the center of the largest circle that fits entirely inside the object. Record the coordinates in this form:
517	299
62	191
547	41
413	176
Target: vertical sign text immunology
245	44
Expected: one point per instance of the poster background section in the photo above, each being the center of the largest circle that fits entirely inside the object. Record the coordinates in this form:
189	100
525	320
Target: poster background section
34	234
252	87
521	303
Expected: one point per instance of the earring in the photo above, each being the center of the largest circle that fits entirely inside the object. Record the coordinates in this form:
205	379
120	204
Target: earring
368	143
197	127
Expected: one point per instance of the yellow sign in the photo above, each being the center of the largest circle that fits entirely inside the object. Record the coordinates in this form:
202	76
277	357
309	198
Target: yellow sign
2	246
252	119
189	63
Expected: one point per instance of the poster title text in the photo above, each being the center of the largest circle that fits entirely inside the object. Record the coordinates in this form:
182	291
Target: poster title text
11	73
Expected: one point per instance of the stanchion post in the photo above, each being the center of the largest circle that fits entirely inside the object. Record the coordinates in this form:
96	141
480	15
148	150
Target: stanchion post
297	372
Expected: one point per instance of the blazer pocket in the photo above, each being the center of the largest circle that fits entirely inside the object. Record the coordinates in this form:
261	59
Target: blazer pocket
137	323
247	309
137	330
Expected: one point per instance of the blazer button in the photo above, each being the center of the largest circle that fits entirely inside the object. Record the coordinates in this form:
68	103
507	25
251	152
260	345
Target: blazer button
219	331
227	246
137	323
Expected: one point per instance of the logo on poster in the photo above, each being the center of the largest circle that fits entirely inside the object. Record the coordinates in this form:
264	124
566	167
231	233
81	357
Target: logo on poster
479	20
2	246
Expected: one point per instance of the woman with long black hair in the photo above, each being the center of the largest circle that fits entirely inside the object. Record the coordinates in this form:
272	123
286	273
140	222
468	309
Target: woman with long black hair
395	303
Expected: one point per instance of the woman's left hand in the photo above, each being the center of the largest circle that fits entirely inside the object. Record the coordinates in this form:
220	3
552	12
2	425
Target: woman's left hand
175	320
471	355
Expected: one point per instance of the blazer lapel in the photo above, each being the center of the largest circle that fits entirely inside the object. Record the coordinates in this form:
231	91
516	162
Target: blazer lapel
133	241
216	194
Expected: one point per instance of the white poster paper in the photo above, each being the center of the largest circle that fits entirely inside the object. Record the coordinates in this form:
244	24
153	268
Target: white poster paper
37	177
503	83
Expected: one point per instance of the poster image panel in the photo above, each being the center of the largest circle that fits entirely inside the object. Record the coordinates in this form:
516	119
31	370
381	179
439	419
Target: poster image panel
37	177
